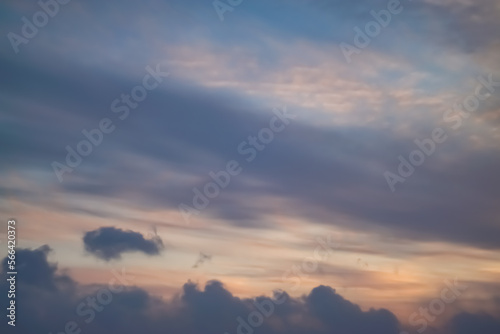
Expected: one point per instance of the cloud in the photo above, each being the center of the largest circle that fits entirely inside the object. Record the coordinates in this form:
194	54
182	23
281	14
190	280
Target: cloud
36	270
50	299
202	258
212	310
109	243
320	172
465	323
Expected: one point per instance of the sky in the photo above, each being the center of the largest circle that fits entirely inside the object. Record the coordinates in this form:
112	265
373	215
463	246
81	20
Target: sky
334	161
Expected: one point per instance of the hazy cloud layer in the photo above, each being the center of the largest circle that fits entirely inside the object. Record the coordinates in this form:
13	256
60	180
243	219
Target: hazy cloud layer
324	173
189	127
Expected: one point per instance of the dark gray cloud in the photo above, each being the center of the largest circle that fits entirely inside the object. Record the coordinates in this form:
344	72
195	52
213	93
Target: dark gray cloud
483	323
36	270
49	300
109	243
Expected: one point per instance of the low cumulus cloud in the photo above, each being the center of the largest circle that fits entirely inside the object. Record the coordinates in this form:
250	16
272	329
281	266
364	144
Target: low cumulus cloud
110	243
466	323
49	300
